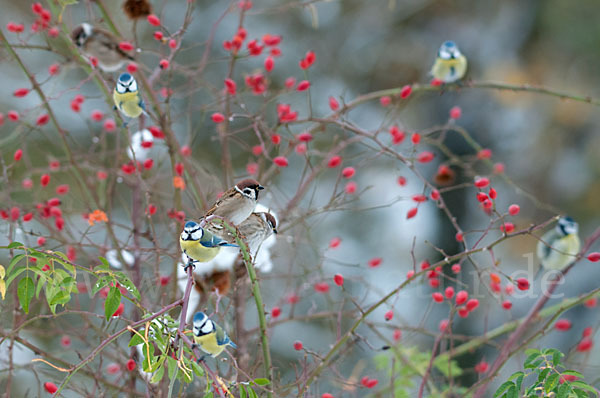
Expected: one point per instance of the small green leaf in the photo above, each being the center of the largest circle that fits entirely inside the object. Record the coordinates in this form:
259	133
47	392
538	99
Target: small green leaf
520	381
158	375
551	382
61	297
13	262
25	292
262	381
530	359
128	284
112	302
573	373
242	391
172	367
100	284
12	276
556	356
515	375
512	392
584	386
505	386
564	390
13	245
543	374
197	369
135	340
251	393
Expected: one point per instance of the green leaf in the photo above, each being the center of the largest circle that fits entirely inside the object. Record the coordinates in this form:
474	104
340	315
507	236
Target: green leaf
100	284
573	373
520	381
242	391
13	245
157	377
128	284
18	272
135	340
515	375
512	392
61	297
65	3
530	359
531	351
580	393
25	291
262	381
564	390
251	393
551	382
543	374
104	266
197	369
112	302
172	367
505	386
584	386
13	262
556	356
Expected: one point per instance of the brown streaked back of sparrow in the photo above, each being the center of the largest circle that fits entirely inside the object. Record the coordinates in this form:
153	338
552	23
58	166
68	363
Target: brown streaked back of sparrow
238	202
100	44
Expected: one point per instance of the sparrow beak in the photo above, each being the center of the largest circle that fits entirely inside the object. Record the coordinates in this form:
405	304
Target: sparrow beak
260	187
274	231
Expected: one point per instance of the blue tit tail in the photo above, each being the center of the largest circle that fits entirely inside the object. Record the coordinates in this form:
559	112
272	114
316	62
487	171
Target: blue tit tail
232	344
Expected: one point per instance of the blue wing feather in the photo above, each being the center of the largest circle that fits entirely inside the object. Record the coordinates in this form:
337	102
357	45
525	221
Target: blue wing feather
215	241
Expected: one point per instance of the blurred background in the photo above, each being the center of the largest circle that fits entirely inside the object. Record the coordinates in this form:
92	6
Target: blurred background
549	148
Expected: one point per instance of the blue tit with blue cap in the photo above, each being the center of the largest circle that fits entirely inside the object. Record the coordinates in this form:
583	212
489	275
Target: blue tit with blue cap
558	247
127	97
210	337
450	64
198	244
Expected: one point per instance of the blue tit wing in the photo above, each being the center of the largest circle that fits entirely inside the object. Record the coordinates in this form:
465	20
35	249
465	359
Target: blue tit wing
210	240
223	338
142	105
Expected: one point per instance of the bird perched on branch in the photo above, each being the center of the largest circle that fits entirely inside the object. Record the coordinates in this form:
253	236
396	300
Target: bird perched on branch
210	337
238	202
256	228
559	246
100	44
200	245
127	96
450	64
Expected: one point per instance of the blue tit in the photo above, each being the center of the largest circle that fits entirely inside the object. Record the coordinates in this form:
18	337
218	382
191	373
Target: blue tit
100	44
127	97
199	244
237	203
450	65
210	337
559	246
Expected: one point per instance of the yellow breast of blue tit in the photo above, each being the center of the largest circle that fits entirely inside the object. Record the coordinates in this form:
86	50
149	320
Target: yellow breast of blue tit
449	70
209	344
557	251
196	251
128	103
